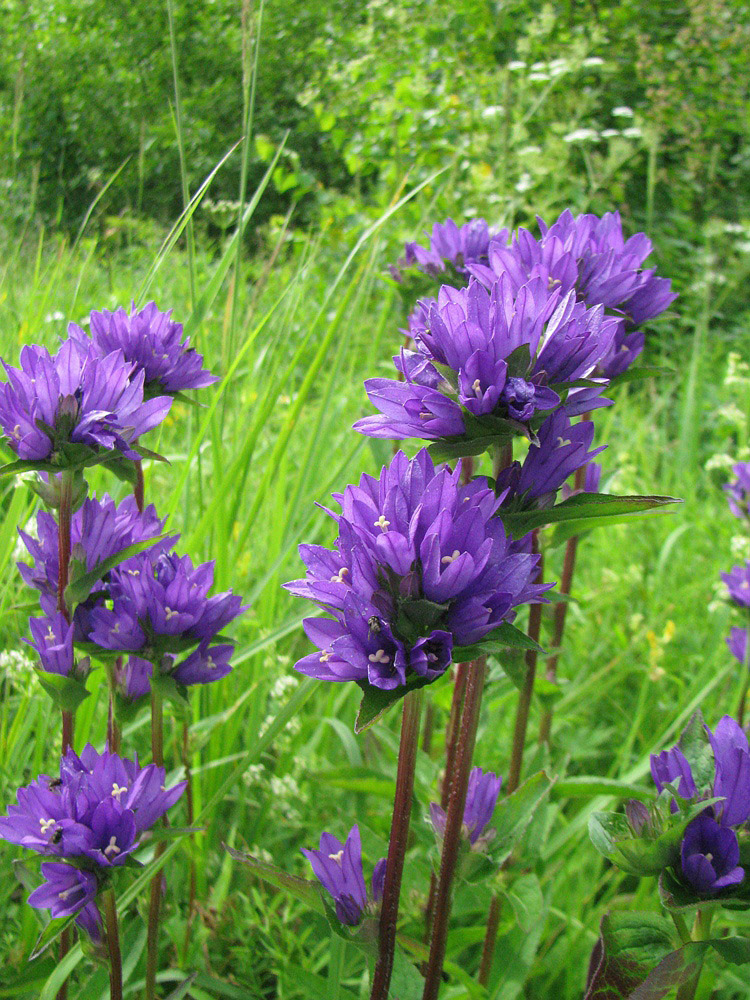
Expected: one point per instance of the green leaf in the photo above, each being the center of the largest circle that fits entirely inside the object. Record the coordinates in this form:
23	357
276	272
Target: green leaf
376	700
735	950
23	465
66	692
81	585
674	969
448	451
406	982
418	618
301	888
695	745
584	786
506	636
513	814
181	991
583	506
630	945
642	372
50	933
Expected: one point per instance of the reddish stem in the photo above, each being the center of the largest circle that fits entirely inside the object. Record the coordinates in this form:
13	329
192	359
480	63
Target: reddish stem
490	937
138	487
407	758
453	827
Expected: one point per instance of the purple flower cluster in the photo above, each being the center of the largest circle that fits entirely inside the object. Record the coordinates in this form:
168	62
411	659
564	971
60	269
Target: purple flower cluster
495	360
75	397
154	604
738	491
710	849
452	246
338	868
152	342
481	798
92	817
158	608
420	565
561	449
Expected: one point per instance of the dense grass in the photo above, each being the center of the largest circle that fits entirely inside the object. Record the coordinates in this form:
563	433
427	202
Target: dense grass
645	643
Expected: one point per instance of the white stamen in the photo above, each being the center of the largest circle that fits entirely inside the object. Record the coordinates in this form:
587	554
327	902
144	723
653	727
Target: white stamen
115	628
210	663
382	523
476	385
561	442
379	657
709	857
324	657
339	578
47	824
336	857
169	613
447	560
134	572
111	847
425	415
117	790
64	894
50	634
17	432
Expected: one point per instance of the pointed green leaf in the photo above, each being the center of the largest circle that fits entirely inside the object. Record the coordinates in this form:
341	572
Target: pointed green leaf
182	990
376	700
506	636
81	585
642	372
513	814
301	888
50	933
583	506
735	950
630	945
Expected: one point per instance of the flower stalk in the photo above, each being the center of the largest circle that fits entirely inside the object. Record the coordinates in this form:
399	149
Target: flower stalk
527	692
453	826
490	938
701	932
113	944
402	804
152	934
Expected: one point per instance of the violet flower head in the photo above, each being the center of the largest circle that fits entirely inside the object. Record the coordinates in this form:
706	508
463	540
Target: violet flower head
52	639
452	246
153	342
52	403
93	814
490	363
710	856
68	891
738	584
99	529
738	491
133	677
338	868
610	267
160	608
481	798
420	565
731	781
561	450
737	643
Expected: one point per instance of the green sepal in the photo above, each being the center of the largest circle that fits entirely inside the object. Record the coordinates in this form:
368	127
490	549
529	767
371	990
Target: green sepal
303	889
612	836
147	453
505	636
583	507
184	398
66	692
375	701
675	895
82	581
417	619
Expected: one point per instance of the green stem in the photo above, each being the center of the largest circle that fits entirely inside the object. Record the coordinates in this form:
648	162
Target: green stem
453	828
190	819
701	932
682	927
152	936
402	804
527	692
113	944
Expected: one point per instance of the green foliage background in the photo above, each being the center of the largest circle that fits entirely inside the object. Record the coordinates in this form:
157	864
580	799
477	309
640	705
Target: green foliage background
525	110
